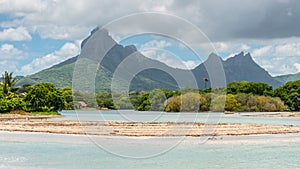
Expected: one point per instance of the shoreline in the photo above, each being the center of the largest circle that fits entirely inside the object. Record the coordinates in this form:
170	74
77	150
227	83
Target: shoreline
21	123
41	137
275	114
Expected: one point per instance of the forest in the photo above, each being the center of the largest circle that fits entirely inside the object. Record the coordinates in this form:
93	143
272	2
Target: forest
236	97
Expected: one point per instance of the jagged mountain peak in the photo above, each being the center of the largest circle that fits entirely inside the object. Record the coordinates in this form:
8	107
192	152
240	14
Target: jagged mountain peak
237	68
131	48
103	32
242	58
213	56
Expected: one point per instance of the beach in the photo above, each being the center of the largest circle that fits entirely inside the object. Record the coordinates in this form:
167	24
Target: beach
45	124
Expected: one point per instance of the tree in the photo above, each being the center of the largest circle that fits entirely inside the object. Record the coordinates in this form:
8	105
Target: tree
144	102
68	96
255	88
289	93
231	103
189	102
8	83
105	100
157	100
44	97
205	82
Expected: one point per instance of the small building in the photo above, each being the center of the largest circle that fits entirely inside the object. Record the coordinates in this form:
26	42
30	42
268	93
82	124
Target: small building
82	104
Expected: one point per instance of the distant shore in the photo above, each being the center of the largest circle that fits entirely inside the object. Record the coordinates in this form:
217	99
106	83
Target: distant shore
109	128
276	114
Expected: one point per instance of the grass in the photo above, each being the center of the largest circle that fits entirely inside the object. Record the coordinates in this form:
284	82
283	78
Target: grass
21	112
46	113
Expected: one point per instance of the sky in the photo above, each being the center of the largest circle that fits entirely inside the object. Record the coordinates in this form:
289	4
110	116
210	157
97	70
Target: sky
36	34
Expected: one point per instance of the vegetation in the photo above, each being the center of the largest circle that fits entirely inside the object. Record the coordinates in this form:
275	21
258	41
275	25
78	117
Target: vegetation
46	113
241	97
290	94
42	98
8	83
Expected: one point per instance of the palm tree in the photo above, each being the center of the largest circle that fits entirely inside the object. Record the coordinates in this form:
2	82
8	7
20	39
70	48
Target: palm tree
205	82
8	82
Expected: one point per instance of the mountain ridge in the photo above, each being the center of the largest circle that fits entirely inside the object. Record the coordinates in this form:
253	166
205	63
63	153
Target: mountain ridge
237	68
288	77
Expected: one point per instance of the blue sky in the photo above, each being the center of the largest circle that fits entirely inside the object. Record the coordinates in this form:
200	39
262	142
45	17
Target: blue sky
36	34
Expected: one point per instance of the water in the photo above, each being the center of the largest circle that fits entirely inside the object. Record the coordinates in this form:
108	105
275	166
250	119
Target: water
131	115
239	152
54	151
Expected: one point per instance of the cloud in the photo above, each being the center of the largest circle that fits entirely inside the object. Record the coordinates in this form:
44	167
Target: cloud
231	47
169	59
18	34
279	59
263	51
155	44
21	8
175	62
231	25
297	65
67	51
10	57
9	52
8	65
220	20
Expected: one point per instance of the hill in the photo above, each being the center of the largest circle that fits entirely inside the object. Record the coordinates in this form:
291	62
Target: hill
287	78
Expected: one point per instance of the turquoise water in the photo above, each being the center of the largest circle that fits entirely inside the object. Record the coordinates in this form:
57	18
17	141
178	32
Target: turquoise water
53	151
229	153
130	115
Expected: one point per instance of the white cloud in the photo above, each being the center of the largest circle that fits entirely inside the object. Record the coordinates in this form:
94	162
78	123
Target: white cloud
18	34
175	62
297	65
155	44
9	52
21	8
10	56
292	49
231	47
8	65
279	59
190	64
62	32
263	51
68	50
169	59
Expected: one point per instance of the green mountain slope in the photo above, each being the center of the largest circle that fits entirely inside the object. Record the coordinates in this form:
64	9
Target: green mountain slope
287	78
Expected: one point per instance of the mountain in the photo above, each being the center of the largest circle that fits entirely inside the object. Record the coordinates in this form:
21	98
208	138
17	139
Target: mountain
287	78
119	63
237	68
62	73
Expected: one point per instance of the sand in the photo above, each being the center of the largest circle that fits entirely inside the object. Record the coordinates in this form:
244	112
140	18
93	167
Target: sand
280	114
45	124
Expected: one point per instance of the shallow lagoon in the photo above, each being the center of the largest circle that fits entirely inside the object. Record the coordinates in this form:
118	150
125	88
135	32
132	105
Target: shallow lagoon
40	150
66	152
131	115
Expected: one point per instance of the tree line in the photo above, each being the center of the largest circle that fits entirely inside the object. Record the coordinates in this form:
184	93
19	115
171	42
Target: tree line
42	97
237	96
